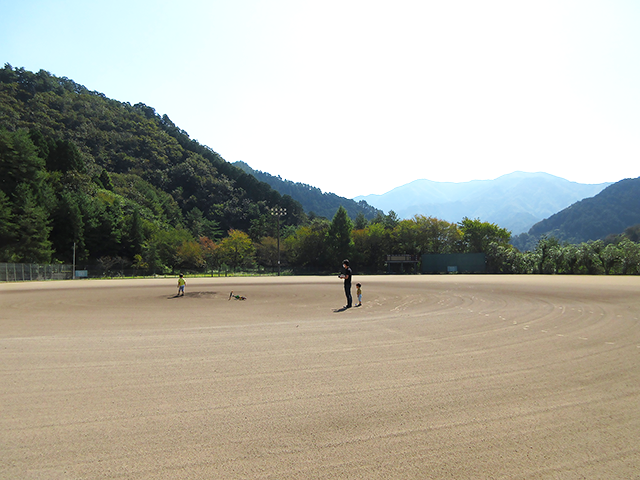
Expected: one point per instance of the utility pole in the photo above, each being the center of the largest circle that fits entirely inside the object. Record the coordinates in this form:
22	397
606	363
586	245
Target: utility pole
278	212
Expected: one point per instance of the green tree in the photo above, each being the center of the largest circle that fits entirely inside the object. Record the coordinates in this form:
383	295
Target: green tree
389	221
105	225
68	228
611	257
570	259
7	227
32	243
307	247
503	259
160	251
477	235
437	236
598	248
267	252
189	256
237	249
361	221
630	262
64	156
588	258
195	222
135	233
211	253
19	162
104	180
405	238
421	234
371	245
263	226
339	242
548	255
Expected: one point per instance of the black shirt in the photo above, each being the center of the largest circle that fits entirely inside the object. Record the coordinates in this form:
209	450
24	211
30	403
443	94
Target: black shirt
349	274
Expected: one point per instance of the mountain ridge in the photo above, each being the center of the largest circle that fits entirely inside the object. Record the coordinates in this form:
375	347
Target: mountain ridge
515	201
312	199
610	212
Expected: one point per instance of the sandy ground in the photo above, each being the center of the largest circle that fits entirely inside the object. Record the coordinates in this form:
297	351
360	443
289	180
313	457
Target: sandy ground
501	377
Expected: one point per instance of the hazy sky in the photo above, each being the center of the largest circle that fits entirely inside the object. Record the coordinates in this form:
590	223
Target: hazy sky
358	97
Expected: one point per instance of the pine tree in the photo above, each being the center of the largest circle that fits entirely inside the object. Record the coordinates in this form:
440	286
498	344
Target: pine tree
339	240
7	227
32	243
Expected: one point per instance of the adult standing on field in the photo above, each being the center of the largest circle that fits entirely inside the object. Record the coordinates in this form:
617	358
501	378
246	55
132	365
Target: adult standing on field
348	273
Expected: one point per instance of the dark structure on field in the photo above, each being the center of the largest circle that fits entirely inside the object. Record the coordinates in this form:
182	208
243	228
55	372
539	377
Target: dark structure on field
396	263
454	263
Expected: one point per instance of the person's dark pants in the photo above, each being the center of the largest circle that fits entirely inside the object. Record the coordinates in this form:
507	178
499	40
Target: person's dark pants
347	292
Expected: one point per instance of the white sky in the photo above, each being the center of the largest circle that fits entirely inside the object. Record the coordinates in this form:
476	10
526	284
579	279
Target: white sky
358	97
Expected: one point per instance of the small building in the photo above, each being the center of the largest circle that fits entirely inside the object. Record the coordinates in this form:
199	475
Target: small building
454	263
397	263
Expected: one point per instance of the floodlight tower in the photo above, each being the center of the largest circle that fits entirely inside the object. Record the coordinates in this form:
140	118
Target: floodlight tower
278	212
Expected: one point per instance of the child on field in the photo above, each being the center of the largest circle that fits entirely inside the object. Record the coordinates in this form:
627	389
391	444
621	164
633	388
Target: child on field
181	283
359	294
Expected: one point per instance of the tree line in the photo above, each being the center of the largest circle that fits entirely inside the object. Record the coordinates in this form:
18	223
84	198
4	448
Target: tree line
321	245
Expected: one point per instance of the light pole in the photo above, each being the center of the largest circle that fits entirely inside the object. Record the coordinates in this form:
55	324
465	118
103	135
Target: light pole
278	212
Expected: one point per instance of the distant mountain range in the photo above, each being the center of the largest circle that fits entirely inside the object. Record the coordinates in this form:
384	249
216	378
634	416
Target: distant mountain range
516	201
311	198
530	205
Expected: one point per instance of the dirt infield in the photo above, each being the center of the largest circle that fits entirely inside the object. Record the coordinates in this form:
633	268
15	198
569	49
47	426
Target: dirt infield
502	377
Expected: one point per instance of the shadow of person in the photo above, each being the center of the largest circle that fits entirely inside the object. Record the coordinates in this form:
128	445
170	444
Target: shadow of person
341	309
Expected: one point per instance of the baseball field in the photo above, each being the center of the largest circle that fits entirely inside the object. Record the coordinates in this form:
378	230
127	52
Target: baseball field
433	377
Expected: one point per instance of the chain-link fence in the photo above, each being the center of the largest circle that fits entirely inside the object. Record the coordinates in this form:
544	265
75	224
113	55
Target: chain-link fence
25	272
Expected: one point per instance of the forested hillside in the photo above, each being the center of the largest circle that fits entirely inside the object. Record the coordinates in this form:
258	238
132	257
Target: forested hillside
610	212
312	198
115	179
